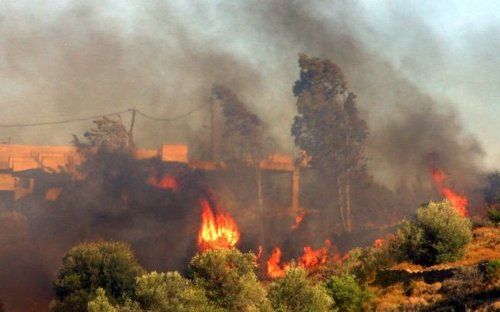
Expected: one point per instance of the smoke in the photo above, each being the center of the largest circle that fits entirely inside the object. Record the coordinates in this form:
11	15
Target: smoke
81	58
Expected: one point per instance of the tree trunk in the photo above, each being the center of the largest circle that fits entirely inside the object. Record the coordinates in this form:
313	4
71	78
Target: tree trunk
348	200
341	203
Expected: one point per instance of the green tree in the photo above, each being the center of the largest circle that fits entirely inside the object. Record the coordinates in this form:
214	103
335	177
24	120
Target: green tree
170	292
90	266
101	303
295	292
328	129
347	294
228	278
438	234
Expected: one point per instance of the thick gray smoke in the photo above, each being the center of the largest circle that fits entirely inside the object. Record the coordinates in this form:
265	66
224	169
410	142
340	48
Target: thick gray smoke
80	58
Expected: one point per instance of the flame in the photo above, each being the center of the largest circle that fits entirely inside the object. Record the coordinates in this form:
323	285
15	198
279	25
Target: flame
298	219
378	243
167	182
274	269
313	258
458	202
217	231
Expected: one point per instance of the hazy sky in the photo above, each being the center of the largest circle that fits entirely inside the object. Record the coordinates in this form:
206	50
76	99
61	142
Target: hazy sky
449	49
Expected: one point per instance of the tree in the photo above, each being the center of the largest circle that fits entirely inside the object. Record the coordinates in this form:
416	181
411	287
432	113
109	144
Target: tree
100	303
243	136
296	293
438	234
109	133
90	266
170	292
328	129
228	278
347	294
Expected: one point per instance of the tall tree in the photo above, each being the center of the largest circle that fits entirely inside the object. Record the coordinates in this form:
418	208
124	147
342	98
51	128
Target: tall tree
242	137
328	129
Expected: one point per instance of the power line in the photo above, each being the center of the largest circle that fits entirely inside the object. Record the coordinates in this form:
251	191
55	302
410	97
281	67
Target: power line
64	121
56	122
172	118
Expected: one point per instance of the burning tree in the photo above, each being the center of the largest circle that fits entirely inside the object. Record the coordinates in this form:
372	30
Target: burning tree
328	128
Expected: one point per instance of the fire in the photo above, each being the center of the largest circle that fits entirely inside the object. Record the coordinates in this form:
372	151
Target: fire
217	231
274	269
459	202
378	243
310	260
298	219
166	182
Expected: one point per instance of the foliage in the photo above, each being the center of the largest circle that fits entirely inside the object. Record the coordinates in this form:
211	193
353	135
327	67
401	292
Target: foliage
437	235
328	129
295	292
165	292
243	134
493	270
100	303
346	293
228	278
109	134
494	213
90	266
363	263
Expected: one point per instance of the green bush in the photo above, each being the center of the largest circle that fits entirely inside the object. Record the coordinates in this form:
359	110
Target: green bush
346	293
90	266
363	263
296	293
493	270
494	213
170	292
229	279
438	234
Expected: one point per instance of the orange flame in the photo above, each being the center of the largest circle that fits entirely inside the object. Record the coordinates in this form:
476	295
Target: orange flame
298	219
217	231
458	202
274	269
313	258
167	182
378	243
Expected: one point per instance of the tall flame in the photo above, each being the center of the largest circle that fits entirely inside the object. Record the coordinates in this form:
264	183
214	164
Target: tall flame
458	202
217	231
274	269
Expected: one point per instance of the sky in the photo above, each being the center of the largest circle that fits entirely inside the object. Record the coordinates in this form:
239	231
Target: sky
448	49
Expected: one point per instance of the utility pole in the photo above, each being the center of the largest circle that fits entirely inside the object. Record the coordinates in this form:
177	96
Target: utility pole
131	129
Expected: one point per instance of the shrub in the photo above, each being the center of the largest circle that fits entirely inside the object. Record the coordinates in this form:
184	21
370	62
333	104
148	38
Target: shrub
170	291
437	235
101	303
90	266
346	293
363	263
296	293
494	213
228	278
493	270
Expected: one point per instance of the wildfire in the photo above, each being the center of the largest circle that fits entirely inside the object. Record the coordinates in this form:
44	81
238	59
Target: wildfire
311	259
166	182
217	231
298	219
459	202
274	269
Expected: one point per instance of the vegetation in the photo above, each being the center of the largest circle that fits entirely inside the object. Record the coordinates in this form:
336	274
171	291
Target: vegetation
494	214
346	293
437	235
170	292
228	278
493	270
90	266
295	292
328	128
